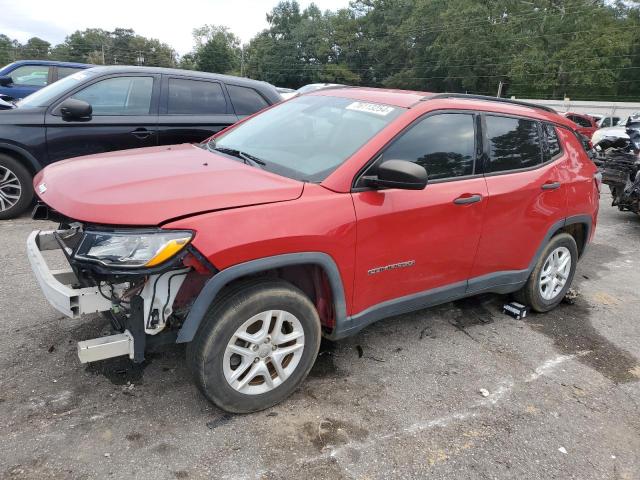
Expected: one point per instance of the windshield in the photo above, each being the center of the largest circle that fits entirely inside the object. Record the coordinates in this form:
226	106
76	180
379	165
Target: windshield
308	137
46	95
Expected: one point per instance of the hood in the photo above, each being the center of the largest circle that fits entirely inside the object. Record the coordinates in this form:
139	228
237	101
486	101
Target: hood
148	186
618	131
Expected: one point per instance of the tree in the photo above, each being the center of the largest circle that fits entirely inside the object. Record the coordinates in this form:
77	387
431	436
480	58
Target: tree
217	49
120	47
35	48
6	50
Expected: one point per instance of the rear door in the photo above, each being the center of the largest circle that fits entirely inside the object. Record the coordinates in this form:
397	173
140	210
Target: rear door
192	109
125	113
526	197
410	241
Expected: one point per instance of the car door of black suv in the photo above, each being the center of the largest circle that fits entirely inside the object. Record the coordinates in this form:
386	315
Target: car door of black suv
125	115
192	109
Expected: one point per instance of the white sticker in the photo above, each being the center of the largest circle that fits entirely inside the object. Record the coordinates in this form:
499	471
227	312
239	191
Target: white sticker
374	108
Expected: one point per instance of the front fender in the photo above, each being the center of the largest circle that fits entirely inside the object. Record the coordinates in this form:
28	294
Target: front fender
216	283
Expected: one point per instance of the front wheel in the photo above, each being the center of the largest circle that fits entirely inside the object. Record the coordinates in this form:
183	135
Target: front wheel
552	275
16	191
255	346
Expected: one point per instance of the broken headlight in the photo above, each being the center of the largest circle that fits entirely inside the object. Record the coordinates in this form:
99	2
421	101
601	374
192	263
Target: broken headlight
132	249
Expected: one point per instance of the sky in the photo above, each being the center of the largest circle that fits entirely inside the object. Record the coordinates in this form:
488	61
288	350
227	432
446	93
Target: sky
170	22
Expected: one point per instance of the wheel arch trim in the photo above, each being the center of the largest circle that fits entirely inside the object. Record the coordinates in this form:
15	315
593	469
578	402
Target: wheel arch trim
216	283
33	163
585	220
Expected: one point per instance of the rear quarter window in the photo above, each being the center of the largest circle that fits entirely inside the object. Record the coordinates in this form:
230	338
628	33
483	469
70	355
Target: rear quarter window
245	100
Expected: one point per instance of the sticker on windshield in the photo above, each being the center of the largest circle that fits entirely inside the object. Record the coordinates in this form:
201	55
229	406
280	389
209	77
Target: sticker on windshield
374	108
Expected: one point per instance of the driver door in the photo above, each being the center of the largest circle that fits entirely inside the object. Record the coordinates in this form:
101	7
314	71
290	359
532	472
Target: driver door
125	115
422	243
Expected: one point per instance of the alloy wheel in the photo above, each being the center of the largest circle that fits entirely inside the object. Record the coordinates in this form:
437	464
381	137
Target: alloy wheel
555	273
10	189
263	352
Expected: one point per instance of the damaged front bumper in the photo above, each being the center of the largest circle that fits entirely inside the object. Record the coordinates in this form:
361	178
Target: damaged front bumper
58	285
147	311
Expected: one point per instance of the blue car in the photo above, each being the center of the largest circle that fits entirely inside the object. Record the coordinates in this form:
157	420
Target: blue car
22	78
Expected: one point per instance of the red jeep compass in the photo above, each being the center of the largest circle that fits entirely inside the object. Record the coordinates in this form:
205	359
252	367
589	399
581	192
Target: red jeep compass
314	218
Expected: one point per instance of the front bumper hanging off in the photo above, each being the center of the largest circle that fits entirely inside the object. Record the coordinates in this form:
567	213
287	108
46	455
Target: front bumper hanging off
60	287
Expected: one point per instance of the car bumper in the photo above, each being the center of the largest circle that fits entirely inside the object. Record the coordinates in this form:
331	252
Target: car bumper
57	285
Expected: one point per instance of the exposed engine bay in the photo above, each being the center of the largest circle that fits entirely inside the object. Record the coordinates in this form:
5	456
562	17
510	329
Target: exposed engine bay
618	159
113	272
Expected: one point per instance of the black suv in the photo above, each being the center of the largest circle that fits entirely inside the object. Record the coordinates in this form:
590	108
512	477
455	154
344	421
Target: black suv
114	108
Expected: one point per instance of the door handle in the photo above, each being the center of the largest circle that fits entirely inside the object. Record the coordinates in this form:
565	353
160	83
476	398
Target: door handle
142	133
467	199
551	186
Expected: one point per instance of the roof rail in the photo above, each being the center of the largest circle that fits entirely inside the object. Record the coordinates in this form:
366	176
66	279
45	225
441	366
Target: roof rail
469	96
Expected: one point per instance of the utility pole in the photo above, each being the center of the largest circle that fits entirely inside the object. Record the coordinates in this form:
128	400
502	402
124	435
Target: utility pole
102	48
242	61
499	89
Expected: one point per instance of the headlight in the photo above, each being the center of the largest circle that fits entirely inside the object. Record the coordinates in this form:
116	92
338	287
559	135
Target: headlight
132	249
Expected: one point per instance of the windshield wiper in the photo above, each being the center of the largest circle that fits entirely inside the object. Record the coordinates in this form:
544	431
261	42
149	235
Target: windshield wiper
247	158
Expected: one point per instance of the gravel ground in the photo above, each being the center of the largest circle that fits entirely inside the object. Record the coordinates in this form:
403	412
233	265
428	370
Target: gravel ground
402	399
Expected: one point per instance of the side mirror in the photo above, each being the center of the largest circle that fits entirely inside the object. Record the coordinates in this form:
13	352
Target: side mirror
5	80
73	109
399	174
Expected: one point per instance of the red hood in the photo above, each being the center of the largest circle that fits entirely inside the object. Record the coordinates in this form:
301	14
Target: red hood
148	186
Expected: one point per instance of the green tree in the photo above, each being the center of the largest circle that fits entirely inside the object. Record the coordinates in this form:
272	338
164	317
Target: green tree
217	49
120	47
6	50
35	48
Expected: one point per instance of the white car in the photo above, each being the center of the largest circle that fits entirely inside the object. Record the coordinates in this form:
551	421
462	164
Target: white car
286	93
608	121
312	87
620	130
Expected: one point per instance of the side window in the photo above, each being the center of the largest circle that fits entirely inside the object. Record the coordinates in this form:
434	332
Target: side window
66	71
31	75
119	96
195	97
583	122
444	144
552	146
246	101
513	142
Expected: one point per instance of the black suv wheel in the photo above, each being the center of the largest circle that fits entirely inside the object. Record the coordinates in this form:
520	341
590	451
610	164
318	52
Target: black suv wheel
16	190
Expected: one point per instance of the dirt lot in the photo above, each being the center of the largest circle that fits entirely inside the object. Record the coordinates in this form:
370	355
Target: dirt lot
401	399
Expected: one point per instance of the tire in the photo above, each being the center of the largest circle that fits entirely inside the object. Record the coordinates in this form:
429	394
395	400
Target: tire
17	182
212	361
532	292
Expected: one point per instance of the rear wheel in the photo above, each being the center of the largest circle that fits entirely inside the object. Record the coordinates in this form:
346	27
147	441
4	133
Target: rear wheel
255	346
16	190
552	275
